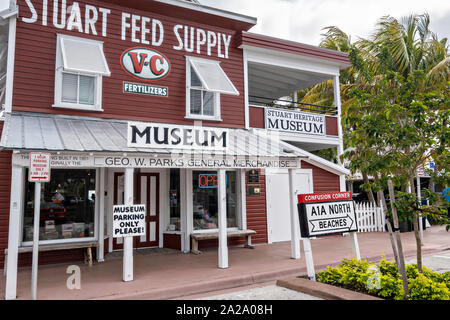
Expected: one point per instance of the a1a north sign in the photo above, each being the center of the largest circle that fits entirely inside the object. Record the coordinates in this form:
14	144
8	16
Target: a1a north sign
326	213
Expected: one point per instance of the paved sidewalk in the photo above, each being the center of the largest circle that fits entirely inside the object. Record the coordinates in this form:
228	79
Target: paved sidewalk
172	275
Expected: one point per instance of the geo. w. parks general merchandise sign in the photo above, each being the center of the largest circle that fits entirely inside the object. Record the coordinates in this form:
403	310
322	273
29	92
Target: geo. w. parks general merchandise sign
326	213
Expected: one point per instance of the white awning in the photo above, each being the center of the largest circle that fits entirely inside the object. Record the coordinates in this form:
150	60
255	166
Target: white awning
83	55
212	76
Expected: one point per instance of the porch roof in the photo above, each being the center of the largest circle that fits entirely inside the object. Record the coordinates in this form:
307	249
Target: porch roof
49	132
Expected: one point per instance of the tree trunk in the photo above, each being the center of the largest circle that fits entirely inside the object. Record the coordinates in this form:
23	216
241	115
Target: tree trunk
416	231
369	193
401	258
382	204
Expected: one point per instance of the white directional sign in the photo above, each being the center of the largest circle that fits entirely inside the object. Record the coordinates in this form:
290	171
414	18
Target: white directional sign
128	220
326	213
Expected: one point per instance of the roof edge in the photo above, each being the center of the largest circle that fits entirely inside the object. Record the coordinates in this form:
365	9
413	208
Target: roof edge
210	10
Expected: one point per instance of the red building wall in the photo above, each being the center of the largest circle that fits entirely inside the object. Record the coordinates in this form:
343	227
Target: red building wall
323	181
5	192
34	72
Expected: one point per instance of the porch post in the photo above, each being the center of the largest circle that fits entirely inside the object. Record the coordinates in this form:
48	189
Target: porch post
101	219
128	240
295	227
15	216
337	104
353	235
222	206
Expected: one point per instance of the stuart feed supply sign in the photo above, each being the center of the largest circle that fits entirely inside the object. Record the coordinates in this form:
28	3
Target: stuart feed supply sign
326	213
128	220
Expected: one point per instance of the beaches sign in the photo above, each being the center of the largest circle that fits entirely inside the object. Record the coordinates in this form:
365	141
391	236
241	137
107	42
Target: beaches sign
326	213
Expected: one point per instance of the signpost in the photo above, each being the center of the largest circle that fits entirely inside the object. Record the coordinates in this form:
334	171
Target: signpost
38	172
323	214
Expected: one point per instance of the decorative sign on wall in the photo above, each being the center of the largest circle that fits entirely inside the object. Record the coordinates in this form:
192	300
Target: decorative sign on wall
294	121
146	89
254	190
128	220
326	213
160	135
145	64
253	176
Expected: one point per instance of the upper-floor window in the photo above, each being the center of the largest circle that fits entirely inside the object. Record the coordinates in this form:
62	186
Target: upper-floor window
80	65
205	81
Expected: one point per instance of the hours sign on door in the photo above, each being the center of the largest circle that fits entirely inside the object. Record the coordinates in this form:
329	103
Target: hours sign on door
326	213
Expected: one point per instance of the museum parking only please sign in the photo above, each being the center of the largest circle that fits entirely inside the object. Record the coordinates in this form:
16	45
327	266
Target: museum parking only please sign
128	220
326	213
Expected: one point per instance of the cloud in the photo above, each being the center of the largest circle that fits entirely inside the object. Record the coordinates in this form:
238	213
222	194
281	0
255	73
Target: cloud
303	20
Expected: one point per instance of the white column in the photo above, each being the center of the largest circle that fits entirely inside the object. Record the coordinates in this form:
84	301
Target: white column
10	64
100	198
128	240
337	104
243	195
222	206
309	259
353	235
295	226
246	102
15	217
34	264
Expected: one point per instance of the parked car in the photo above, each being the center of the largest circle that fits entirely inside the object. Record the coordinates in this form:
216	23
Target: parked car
52	211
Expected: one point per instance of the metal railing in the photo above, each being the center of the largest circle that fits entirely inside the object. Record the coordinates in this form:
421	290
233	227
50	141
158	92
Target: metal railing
290	105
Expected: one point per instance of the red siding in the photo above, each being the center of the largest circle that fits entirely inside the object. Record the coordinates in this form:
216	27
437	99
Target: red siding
323	181
257	118
5	192
331	126
39	63
172	241
256	211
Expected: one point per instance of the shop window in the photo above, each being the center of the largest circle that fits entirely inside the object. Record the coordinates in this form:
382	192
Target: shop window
174	201
205	200
67	207
205	82
80	66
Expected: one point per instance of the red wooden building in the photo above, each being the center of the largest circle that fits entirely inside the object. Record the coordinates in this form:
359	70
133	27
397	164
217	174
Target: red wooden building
173	102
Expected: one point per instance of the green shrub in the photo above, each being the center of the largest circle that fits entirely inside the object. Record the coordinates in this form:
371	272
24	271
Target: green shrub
423	288
383	280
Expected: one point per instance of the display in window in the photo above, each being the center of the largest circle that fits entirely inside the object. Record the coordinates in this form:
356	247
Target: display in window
67	206
205	200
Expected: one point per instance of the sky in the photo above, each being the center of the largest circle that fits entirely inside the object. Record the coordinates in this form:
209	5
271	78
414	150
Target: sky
302	20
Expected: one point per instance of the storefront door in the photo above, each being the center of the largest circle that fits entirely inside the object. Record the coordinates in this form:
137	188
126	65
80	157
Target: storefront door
146	191
148	194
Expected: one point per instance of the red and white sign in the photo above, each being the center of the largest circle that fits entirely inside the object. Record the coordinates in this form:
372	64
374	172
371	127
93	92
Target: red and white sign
326	213
324	197
39	170
145	64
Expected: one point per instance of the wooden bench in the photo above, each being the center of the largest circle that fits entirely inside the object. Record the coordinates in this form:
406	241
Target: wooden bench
54	247
196	237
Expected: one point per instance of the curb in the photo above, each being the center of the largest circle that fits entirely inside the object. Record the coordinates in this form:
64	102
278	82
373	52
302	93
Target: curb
322	290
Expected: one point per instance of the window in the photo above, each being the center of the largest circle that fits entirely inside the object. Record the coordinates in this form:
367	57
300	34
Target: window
205	200
205	81
67	208
80	65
